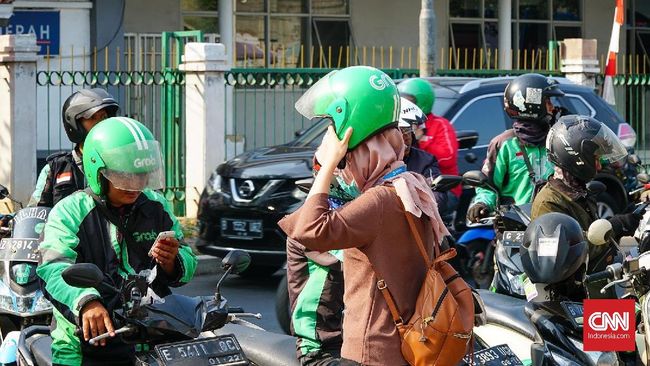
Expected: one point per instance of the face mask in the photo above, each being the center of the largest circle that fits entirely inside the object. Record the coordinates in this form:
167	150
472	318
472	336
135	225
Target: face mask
344	191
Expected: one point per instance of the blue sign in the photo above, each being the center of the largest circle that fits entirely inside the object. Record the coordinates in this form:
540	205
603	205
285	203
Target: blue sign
46	25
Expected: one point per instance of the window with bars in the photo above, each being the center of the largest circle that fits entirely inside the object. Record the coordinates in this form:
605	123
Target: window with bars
473	31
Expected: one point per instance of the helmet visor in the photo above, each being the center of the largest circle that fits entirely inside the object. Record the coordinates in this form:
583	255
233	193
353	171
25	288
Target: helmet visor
316	99
610	147
135	166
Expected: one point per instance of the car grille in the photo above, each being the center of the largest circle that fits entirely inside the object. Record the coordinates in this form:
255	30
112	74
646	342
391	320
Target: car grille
246	191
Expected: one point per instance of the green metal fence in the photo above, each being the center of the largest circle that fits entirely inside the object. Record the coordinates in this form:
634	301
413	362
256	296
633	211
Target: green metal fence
262	100
632	94
138	92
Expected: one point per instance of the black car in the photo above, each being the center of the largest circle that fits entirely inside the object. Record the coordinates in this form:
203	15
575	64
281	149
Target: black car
247	195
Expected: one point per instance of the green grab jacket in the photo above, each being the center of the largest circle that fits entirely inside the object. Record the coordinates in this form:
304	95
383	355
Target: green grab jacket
506	169
77	232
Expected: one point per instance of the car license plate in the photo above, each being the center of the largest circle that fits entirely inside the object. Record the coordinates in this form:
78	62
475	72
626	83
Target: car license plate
241	229
512	238
500	355
223	350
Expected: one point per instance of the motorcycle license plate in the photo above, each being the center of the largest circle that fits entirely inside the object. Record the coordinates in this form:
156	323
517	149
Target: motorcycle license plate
241	229
500	355
513	238
223	350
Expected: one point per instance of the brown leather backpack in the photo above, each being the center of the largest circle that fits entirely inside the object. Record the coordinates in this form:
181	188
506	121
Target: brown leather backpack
440	330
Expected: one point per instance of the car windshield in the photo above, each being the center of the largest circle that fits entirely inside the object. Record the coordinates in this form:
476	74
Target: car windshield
442	105
312	135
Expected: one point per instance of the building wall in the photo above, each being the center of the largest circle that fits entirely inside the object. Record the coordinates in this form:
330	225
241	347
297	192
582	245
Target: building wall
146	16
598	16
389	23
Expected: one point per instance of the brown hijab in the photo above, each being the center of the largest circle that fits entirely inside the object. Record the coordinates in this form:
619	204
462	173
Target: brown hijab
370	162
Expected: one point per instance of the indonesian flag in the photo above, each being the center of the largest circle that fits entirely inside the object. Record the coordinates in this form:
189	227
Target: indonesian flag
610	69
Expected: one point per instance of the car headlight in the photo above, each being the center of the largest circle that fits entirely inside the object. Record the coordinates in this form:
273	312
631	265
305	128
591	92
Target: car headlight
214	184
298	194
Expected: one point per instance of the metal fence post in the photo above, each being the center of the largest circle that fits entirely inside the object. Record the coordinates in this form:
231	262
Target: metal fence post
204	65
18	114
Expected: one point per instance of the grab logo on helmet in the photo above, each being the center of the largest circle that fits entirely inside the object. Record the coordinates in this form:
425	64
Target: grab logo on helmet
144	162
379	82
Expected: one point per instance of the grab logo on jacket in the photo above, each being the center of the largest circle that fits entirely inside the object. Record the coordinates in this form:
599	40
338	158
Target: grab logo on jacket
608	325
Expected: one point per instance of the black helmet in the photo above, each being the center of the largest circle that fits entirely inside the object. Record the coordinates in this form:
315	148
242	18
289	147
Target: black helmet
554	248
524	97
83	104
575	142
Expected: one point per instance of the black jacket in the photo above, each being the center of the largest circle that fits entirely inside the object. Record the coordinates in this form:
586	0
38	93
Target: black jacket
64	176
422	162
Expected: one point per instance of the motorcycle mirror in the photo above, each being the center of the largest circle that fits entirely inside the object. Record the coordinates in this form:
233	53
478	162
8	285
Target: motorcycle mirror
83	275
238	260
475	178
443	183
643	178
595	187
4	192
304	185
471	158
599	232
633	159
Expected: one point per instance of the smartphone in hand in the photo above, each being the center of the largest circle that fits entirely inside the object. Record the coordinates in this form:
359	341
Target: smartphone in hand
162	235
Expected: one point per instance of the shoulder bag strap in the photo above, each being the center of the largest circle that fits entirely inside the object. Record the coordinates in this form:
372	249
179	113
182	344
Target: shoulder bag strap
531	172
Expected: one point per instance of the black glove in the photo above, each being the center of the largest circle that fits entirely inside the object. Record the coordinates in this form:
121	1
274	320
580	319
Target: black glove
625	224
477	211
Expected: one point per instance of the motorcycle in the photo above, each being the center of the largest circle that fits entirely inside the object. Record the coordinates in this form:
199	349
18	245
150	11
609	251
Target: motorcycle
22	303
510	222
177	329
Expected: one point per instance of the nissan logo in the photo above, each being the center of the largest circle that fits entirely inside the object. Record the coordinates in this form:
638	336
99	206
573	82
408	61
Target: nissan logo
246	189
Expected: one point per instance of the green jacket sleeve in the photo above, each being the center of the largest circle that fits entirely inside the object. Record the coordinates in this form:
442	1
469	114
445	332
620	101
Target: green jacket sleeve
495	168
58	253
40	185
186	260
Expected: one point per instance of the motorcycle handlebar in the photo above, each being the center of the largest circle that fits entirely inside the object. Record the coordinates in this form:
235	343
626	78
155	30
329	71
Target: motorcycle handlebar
599	276
93	341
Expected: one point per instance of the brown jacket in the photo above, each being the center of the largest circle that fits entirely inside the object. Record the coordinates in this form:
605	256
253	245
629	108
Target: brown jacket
375	230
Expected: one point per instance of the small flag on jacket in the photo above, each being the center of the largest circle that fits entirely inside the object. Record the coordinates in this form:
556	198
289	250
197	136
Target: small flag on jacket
63	177
610	69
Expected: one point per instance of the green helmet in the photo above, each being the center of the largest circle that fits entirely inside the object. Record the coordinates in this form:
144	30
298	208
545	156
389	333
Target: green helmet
125	152
360	97
421	90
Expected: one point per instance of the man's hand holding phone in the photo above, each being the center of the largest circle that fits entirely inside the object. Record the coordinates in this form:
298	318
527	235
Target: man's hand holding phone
164	250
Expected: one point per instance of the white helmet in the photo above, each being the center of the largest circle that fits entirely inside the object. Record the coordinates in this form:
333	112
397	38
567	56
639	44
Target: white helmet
410	114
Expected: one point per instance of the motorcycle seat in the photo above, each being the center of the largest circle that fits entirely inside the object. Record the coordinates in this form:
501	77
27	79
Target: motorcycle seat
508	312
40	346
262	347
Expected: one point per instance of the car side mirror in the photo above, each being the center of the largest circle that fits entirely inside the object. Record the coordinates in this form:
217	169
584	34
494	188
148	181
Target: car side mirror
595	187
466	139
238	260
84	275
471	158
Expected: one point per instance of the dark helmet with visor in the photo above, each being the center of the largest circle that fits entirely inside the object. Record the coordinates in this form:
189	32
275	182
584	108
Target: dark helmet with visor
83	104
575	142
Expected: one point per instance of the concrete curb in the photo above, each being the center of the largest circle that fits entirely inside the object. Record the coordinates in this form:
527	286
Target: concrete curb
208	265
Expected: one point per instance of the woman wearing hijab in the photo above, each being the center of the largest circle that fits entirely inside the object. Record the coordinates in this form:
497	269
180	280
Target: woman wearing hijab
360	159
